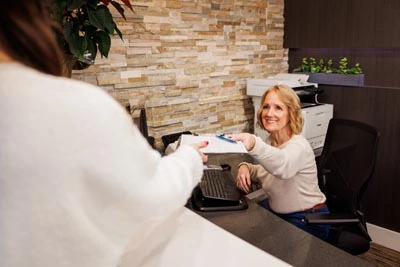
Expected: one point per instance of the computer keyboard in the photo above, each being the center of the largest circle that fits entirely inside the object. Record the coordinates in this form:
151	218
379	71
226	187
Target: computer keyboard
218	184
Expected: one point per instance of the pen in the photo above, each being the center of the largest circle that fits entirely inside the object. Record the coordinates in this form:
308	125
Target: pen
226	139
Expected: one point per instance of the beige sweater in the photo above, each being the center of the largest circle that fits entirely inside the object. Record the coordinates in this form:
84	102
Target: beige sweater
288	174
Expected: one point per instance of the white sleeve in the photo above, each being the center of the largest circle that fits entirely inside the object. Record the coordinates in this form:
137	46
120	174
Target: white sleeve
126	175
282	163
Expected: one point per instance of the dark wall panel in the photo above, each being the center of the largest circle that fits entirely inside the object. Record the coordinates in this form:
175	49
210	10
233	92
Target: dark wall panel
342	23
379	107
368	32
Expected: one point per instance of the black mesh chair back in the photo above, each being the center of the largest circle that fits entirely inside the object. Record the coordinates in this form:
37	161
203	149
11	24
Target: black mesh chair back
347	163
346	166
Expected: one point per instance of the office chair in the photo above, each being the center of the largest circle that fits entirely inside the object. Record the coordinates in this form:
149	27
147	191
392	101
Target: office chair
170	138
345	168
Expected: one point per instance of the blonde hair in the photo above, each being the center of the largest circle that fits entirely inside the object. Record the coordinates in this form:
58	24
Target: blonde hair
289	97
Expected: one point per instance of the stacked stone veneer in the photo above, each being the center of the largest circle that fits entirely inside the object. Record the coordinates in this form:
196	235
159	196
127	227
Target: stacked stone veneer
187	62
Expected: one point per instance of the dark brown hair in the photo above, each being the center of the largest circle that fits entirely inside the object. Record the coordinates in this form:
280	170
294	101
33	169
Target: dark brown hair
27	36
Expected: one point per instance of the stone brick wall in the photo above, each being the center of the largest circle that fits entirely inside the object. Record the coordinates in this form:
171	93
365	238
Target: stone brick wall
187	62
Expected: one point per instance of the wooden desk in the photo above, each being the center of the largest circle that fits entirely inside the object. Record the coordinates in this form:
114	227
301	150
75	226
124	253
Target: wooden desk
277	237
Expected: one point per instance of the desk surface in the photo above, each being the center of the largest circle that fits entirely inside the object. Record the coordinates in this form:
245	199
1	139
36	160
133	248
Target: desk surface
188	240
277	237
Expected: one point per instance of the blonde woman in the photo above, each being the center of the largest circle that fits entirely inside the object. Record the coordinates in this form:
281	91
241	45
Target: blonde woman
287	168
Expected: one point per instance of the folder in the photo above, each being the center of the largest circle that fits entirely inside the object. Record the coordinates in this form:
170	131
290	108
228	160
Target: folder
216	144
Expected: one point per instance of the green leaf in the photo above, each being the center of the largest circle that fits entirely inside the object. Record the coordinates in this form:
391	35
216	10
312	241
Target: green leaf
76	43
95	19
118	31
82	48
119	8
104	42
92	3
107	17
91	47
101	18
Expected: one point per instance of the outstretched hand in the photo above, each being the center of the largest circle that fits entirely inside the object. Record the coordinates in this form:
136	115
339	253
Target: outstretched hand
200	145
249	140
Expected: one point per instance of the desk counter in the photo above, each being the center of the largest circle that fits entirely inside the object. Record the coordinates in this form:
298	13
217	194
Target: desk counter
277	237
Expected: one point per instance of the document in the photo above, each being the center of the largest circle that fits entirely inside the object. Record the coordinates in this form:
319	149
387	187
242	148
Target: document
216	143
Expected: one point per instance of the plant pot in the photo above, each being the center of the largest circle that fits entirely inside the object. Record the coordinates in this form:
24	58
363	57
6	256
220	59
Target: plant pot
336	79
70	63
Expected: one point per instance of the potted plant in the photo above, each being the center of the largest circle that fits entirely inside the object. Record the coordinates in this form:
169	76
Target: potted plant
86	26
327	74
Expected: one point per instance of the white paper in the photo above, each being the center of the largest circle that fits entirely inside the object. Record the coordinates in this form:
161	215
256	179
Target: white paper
215	145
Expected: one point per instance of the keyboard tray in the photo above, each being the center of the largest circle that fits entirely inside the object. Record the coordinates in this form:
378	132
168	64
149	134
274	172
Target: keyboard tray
219	184
201	203
217	192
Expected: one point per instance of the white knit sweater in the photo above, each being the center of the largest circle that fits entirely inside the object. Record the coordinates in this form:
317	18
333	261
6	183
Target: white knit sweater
288	174
77	179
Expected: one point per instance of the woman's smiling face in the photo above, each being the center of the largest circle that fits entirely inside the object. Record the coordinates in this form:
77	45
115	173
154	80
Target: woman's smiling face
275	114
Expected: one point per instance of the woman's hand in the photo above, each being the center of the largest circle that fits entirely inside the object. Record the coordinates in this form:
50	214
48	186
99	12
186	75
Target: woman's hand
197	146
249	140
243	180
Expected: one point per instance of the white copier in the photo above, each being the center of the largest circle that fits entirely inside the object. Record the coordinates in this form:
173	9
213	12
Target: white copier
316	115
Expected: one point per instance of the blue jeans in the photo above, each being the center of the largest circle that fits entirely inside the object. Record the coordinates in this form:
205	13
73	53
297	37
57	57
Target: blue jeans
320	230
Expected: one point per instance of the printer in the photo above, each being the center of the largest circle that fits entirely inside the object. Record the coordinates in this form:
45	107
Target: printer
316	115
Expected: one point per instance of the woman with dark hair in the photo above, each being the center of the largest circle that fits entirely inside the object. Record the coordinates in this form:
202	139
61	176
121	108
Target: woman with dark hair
78	181
287	170
26	35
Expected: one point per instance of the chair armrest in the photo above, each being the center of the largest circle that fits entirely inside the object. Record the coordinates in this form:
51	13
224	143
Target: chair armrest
326	171
333	218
